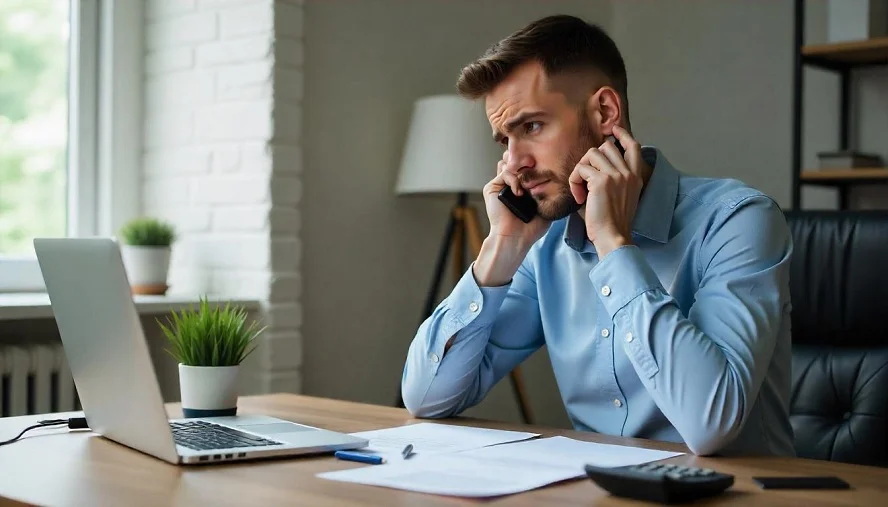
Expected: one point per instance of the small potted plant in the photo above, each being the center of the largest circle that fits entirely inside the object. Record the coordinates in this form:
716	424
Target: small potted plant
146	254
209	345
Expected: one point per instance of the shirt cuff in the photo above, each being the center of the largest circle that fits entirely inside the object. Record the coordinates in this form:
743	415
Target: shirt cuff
622	276
469	304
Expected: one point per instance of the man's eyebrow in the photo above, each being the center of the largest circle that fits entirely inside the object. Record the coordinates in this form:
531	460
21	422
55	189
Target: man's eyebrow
518	120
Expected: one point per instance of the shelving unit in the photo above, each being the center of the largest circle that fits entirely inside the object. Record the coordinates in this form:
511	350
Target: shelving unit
842	58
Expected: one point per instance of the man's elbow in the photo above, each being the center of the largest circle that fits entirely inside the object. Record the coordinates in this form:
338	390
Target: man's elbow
708	439
416	405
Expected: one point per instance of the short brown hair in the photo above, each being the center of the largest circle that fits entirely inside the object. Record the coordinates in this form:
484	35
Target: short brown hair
560	43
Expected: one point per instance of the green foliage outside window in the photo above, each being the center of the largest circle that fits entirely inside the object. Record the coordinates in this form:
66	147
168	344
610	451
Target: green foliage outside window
33	121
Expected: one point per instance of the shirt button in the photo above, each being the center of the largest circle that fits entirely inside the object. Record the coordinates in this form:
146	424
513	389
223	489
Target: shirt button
605	291
473	307
629	337
605	333
434	358
618	403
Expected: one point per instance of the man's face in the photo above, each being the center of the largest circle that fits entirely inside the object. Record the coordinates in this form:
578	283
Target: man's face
543	134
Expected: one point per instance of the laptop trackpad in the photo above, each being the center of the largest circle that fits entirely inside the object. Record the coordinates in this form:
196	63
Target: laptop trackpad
275	428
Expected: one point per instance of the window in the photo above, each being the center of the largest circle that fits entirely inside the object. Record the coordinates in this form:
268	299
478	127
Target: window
50	58
35	44
33	121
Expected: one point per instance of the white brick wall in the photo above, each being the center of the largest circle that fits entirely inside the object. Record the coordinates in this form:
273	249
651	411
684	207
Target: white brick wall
159	9
165	60
177	161
181	30
223	158
250	81
234	121
240	50
250	19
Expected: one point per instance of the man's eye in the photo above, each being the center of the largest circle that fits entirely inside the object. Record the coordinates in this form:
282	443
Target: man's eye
504	141
533	126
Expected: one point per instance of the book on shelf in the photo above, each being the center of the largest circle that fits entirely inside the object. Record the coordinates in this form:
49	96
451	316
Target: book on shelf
847	160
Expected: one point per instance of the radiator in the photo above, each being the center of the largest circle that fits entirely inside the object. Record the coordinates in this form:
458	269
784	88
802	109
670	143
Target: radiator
35	379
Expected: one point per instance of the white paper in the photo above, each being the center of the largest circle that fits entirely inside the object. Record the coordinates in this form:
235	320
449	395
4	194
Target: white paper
433	438
500	469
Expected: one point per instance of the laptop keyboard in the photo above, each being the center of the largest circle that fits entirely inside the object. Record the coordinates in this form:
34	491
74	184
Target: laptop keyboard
204	436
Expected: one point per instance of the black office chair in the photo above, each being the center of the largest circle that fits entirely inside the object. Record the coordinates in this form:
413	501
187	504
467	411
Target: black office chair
839	287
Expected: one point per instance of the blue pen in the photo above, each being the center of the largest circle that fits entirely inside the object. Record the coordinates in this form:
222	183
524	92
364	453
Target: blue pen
359	457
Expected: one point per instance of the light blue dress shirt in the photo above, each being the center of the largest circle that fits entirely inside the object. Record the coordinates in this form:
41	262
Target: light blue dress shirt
682	336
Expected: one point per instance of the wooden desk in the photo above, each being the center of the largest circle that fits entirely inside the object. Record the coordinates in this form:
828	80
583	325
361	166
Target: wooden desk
55	467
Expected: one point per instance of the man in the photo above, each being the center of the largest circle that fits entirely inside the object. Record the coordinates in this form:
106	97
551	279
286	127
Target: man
663	299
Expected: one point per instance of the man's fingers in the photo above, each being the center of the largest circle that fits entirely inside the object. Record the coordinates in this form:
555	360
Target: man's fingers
496	184
512	182
633	149
610	150
596	158
503	178
508	178
579	181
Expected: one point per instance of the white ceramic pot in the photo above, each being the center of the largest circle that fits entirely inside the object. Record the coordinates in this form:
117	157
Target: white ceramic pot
208	391
147	268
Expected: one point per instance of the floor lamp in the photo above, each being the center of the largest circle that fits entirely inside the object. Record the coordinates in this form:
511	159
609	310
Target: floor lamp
449	150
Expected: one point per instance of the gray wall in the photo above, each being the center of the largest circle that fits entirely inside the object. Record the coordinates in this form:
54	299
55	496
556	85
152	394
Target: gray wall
710	83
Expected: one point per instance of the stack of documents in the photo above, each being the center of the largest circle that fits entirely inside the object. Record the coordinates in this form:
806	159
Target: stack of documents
491	470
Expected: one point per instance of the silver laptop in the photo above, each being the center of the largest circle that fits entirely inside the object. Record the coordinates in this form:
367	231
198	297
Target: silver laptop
106	349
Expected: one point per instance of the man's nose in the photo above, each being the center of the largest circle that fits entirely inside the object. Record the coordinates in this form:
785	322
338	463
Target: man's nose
517	160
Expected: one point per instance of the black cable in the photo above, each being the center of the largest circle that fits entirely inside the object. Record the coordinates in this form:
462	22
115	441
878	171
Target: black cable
73	424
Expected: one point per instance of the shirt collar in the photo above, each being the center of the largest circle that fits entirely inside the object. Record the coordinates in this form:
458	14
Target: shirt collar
653	217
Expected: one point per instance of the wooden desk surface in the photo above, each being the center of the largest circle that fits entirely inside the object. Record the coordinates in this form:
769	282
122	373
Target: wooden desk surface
55	467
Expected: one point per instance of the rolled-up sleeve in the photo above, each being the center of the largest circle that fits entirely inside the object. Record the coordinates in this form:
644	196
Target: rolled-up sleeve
705	370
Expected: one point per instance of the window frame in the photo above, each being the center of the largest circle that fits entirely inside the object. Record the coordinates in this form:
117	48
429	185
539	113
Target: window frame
104	128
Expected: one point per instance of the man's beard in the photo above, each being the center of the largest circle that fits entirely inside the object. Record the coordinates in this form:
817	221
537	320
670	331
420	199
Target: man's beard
562	204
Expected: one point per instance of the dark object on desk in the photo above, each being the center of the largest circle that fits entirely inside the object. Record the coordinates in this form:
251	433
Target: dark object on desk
839	401
407	453
801	483
74	423
660	482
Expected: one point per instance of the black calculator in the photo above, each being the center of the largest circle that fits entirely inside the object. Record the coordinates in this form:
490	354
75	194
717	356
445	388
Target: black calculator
660	482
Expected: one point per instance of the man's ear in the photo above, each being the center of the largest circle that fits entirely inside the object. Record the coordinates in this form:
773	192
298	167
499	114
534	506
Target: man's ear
605	109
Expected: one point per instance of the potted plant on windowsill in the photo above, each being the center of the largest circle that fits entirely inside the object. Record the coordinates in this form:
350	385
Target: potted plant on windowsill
209	345
147	245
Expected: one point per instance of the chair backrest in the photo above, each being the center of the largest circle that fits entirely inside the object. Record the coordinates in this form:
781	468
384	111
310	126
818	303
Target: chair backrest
839	287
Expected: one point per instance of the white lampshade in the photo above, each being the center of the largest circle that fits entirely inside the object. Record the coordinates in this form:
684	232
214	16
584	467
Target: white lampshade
449	147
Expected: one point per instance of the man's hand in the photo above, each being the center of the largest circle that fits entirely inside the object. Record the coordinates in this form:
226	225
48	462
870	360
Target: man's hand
610	186
510	239
502	221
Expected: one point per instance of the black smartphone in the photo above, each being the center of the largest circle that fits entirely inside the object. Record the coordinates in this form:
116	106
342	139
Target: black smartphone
525	206
801	483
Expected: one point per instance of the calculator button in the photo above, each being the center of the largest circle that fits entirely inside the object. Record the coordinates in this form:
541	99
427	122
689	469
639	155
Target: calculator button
706	472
